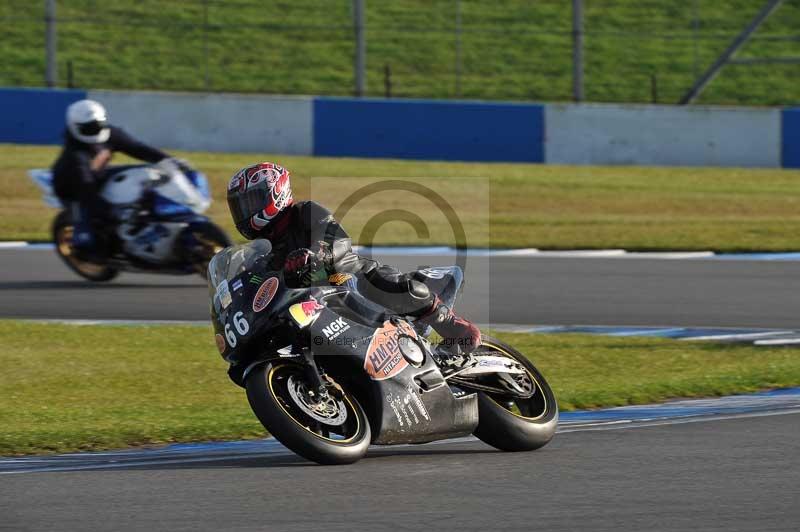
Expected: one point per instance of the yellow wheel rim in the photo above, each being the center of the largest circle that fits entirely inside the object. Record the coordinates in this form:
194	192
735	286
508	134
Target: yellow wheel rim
212	249
64	246
308	429
539	389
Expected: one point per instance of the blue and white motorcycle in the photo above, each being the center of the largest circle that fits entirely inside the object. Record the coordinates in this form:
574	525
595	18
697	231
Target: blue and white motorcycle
156	223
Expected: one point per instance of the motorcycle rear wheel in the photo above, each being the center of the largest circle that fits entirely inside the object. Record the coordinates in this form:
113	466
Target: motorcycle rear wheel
511	424
63	229
274	392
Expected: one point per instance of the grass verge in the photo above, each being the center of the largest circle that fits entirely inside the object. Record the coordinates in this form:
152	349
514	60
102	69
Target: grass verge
69	388
510	49
545	206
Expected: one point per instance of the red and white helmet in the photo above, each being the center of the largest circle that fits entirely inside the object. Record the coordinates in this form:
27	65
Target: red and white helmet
256	195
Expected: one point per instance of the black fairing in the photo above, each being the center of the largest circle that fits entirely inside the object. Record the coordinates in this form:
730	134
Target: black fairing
352	339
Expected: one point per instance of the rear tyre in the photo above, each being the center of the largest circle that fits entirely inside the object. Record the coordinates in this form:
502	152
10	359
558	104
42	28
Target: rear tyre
202	243
331	432
63	229
512	424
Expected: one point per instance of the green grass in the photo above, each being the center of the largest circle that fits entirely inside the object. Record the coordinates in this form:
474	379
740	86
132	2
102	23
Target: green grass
68	387
511	49
501	205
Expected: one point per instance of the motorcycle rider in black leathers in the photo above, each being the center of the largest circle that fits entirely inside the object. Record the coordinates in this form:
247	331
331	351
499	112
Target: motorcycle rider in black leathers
79	172
309	245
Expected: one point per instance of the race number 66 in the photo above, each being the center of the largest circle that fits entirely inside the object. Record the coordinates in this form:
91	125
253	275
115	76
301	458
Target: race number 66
241	326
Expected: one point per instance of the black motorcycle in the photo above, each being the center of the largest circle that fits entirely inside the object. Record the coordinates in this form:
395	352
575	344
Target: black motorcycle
328	372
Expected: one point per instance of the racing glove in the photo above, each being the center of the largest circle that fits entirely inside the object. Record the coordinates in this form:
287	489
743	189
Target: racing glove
171	165
305	267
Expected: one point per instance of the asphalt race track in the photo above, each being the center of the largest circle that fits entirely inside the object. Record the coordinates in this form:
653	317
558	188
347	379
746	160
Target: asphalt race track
734	474
522	290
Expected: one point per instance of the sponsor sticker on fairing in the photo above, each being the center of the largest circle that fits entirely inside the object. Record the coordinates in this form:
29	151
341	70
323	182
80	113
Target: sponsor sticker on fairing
414	396
224	294
220	341
237	285
265	294
335	328
306	312
384	359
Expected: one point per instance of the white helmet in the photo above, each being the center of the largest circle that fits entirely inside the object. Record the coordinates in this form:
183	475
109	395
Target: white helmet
88	122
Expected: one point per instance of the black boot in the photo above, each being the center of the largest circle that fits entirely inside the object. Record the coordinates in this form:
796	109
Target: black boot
459	335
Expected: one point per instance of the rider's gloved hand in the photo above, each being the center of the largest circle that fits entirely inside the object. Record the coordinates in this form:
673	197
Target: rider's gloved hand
305	267
183	164
172	164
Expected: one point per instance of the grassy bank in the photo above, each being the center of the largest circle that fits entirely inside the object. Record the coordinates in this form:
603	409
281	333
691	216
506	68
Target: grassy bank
507	49
501	205
68	388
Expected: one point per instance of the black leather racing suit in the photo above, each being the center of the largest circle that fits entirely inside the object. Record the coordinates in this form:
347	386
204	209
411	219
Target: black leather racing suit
78	185
310	225
73	177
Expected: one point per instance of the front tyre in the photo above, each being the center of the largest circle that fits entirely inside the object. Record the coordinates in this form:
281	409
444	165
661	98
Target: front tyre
513	424
63	229
330	431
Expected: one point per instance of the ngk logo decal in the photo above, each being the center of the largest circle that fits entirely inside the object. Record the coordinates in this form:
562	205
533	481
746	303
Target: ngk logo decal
335	328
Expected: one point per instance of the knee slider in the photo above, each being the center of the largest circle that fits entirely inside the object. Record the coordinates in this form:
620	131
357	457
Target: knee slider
418	290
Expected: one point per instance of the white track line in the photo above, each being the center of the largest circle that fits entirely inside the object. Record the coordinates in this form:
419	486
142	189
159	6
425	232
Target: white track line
743	336
121	323
13	245
430	251
282	451
447	251
674	421
778	341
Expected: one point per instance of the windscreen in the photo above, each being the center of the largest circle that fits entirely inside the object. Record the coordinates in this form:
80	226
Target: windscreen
232	261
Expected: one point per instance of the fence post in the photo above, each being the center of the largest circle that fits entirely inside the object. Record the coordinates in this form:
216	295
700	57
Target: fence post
653	88
205	46
577	50
458	48
360	64
51	69
696	38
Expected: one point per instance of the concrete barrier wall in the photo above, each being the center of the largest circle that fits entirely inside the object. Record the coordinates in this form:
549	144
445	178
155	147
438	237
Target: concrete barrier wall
662	135
214	122
425	129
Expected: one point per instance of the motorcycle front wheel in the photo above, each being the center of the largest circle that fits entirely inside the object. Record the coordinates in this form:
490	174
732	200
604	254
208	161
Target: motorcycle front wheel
203	242
63	230
330	431
513	424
